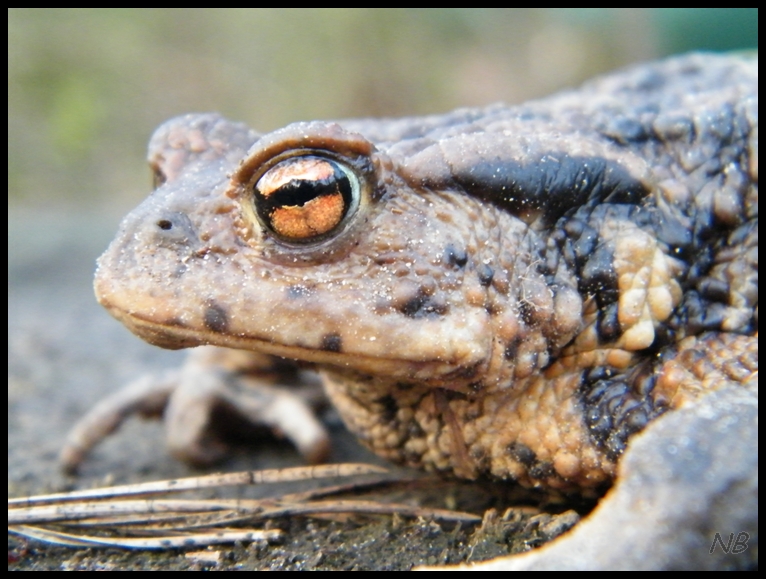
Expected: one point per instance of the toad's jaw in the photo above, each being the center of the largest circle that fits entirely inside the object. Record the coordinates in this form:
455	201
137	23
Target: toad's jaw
174	336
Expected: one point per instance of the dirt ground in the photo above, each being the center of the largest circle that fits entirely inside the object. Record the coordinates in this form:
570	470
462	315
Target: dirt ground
65	353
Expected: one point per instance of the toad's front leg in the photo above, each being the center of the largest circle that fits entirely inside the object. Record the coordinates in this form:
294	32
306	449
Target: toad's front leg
216	397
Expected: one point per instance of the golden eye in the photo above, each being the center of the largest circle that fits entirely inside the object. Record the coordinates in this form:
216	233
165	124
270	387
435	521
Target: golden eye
304	198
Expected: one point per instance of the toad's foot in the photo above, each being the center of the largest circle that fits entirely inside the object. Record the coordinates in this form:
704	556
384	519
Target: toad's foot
207	403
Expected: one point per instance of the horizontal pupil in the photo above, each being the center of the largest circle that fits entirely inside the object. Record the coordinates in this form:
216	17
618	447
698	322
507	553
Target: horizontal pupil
301	192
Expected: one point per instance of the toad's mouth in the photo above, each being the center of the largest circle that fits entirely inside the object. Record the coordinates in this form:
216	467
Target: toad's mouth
173	335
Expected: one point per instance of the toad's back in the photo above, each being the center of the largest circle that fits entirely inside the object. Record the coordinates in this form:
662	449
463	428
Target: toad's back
503	291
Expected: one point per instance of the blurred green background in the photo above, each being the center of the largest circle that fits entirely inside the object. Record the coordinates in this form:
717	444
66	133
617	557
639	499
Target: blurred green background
87	87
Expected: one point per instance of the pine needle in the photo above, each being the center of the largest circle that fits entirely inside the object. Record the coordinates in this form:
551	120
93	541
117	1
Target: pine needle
122	519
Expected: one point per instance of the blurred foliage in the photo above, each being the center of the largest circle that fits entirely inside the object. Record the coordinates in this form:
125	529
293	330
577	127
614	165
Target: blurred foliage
86	87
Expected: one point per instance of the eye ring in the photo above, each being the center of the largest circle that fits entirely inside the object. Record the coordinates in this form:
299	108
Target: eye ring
306	198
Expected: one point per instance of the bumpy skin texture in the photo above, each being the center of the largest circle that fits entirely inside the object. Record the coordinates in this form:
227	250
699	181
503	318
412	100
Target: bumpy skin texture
518	291
510	292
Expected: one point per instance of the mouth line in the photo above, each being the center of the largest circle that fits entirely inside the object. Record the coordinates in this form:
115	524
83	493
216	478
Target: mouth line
175	336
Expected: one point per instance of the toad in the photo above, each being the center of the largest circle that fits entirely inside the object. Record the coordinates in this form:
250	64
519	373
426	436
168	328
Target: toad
505	292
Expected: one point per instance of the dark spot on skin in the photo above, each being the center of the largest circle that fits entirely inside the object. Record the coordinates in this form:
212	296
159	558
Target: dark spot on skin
412	306
674	230
164	224
455	256
414	430
422	305
698	315
389	408
486	273
450	395
476	386
298	291
216	319
526	312
510	350
663	337
714	290
385	260
542	470
608	324
599	278
464	373
576	241
331	343
522	453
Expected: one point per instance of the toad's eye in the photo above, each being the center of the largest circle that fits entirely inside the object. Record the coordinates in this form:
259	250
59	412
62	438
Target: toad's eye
303	199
